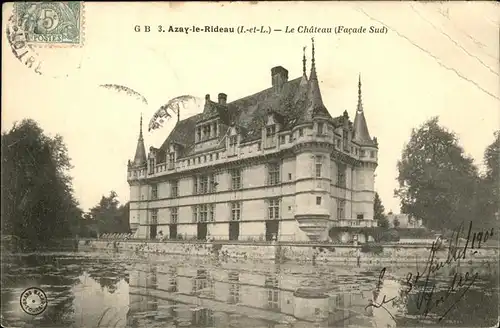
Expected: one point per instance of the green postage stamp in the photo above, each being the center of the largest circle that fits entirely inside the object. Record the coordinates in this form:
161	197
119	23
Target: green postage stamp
51	23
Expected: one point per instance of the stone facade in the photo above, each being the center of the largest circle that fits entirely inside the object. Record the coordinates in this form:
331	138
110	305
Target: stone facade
274	165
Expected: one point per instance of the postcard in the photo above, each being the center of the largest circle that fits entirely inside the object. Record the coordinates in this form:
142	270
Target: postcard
250	164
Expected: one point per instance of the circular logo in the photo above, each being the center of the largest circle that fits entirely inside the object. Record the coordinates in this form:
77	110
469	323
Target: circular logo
33	301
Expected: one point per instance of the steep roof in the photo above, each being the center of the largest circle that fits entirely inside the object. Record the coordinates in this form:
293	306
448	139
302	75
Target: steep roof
249	114
140	151
361	134
297	101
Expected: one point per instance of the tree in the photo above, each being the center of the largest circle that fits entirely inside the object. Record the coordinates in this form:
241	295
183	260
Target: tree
38	203
437	181
489	198
109	216
379	212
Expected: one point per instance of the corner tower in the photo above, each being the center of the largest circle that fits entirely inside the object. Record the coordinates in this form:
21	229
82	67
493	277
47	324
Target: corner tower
312	169
136	174
368	156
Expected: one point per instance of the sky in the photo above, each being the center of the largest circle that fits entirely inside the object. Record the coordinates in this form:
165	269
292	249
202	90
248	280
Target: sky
437	59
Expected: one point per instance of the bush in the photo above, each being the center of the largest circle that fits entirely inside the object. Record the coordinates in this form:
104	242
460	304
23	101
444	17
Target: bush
372	248
391	235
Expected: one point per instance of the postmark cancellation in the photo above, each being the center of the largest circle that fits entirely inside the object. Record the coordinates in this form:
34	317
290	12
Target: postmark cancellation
50	24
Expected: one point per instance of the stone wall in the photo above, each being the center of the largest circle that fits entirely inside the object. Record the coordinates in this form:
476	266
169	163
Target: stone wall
292	251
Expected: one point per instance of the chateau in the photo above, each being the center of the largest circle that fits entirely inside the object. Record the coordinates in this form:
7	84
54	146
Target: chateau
274	165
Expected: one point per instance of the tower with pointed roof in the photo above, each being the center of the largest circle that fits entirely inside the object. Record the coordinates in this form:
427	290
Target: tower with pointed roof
136	178
275	165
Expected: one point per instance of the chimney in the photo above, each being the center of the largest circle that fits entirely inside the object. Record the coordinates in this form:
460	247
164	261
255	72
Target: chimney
222	98
207	97
279	77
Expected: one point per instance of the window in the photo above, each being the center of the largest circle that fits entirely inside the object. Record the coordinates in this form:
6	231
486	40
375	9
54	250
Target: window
318	200
211	157
213	183
341	178
235	211
198	134
372	154
203	180
204	184
258	146
320	128
301	132
154	191
211	212
340	209
209	132
194	209
189	162
345	140
151	165
233	145
282	140
174	215
274	208
171	160
203	213
154	216
215	130
270	136
289	176
174	188
233	141
360	216
270	131
235	179
318	167
216	155
273	174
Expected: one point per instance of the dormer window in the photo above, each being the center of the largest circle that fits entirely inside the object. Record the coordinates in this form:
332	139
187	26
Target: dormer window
198	134
233	141
345	137
206	131
270	131
232	145
171	160
270	136
320	128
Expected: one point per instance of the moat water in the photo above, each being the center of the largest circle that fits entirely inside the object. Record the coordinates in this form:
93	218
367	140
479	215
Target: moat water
135	290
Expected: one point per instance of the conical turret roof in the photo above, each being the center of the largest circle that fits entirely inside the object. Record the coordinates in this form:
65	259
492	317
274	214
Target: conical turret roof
361	133
140	151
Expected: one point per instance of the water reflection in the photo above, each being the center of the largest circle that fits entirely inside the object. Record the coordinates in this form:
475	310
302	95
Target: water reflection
116	291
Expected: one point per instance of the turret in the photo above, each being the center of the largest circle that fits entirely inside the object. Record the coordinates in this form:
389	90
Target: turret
137	172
